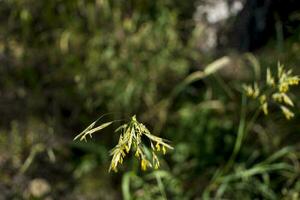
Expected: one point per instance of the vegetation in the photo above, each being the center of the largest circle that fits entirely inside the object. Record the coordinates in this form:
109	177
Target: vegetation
230	123
131	135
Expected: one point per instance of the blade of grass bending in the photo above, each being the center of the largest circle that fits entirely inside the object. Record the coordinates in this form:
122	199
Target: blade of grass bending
255	64
38	148
126	185
282	152
255	171
198	75
90	126
98	128
85	130
161	186
240	134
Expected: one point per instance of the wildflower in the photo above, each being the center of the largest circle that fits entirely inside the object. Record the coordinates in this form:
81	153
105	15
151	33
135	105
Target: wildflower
294	80
283	87
287	113
249	90
155	161
277	97
287	100
137	154
262	99
286	79
264	108
279	70
164	150
157	147
256	91
252	91
131	137
270	79
144	164
278	90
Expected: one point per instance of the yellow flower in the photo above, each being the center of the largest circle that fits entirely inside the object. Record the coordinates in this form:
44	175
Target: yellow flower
287	100
283	87
155	161
113	167
136	154
294	80
157	147
131	137
282	97
277	97
252	91
275	88
256	91
262	99
270	79
287	113
127	149
249	91
280	70
264	103
144	164
265	108
164	150
156	166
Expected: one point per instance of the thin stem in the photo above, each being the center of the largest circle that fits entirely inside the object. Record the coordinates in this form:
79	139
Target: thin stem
240	134
252	121
161	186
224	85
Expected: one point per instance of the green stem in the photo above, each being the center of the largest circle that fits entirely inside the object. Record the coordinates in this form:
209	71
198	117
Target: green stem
252	121
161	186
224	85
240	134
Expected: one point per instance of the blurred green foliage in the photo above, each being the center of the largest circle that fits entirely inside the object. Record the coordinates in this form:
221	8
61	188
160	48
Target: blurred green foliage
64	63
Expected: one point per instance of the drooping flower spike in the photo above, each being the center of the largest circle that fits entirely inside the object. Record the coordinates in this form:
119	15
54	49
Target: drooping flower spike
275	90
131	140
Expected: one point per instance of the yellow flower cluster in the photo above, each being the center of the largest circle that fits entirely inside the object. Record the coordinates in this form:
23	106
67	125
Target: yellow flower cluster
131	136
276	90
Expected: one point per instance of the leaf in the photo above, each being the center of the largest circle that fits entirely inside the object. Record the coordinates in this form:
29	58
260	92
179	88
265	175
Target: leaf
83	134
85	130
98	128
209	69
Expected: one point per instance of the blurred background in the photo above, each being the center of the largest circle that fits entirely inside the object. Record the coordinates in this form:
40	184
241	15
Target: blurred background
63	63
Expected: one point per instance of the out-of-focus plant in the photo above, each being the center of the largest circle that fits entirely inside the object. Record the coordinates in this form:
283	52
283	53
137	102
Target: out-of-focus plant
273	90
128	61
158	185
